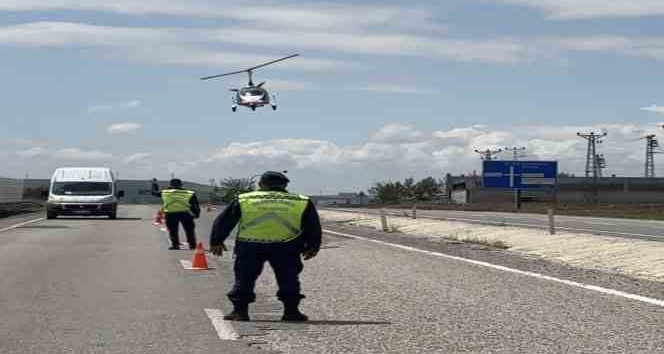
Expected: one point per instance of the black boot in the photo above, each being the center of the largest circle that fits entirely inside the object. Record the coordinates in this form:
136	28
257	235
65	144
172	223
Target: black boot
240	312
292	313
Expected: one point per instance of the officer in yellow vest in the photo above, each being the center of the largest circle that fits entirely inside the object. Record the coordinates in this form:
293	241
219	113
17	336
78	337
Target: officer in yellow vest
180	207
275	226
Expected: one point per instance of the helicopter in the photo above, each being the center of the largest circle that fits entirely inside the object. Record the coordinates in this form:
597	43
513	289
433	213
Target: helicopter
252	96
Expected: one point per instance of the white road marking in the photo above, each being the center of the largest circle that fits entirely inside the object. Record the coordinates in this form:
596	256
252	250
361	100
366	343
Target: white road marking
599	289
224	328
21	224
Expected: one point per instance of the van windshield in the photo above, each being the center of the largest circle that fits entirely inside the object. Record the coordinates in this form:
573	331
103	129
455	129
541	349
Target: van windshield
82	188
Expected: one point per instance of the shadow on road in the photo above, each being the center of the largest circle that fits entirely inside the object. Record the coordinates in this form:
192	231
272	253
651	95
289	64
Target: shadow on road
329	323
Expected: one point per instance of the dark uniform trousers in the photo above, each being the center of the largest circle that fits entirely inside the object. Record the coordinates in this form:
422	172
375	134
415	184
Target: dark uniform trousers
284	258
173	221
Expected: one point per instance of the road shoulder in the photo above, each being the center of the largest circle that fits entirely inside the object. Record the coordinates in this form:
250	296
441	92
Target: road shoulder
506	258
10	221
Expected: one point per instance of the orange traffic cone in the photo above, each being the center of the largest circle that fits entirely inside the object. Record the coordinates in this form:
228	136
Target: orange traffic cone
199	261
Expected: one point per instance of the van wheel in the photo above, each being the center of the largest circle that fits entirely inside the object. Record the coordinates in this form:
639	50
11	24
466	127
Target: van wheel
51	215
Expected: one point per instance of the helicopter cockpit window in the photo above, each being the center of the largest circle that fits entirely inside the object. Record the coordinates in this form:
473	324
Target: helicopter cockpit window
252	92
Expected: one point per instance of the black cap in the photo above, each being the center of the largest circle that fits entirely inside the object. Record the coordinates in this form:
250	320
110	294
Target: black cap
176	182
274	178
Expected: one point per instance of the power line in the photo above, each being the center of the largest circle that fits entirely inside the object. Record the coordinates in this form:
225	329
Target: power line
594	161
488	154
651	145
516	152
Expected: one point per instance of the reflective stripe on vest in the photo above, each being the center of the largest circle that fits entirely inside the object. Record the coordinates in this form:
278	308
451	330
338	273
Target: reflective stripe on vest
176	200
271	217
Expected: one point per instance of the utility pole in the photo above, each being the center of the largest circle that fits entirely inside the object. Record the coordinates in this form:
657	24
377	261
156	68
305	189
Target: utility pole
601	164
516	152
651	149
594	161
488	154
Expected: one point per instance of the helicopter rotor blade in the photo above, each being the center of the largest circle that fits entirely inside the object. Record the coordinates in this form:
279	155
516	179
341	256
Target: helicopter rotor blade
251	69
273	61
226	74
233	90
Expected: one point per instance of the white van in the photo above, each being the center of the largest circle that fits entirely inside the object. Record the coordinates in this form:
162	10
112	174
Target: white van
83	191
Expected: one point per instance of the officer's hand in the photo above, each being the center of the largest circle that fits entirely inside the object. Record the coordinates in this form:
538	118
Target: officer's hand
309	254
218	250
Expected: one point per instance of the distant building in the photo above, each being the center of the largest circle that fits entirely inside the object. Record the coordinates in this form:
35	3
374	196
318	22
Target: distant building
341	199
469	189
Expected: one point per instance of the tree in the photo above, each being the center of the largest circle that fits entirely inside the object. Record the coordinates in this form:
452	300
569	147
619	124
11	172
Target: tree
232	187
390	192
427	188
387	192
408	190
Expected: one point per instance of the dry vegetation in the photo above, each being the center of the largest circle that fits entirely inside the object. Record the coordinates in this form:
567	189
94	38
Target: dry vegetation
650	211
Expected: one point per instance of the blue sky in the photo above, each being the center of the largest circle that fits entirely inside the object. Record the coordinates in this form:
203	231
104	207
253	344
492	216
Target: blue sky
382	90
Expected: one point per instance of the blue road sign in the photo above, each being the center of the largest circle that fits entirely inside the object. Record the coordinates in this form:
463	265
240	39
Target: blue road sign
520	174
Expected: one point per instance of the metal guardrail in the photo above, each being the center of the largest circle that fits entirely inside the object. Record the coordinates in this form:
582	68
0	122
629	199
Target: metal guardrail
8	209
11	190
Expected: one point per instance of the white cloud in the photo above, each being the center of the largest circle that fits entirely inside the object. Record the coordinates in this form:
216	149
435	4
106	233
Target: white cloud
322	16
389	88
200	46
124	128
397	133
398	150
110	107
497	50
80	155
654	108
132	104
34	152
137	157
96	109
178	46
68	154
393	152
192	46
579	9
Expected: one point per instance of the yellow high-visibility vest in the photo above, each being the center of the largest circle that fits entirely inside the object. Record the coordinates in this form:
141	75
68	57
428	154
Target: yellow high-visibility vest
176	200
271	217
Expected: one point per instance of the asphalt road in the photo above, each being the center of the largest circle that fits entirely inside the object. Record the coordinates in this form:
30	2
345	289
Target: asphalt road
631	228
110	286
